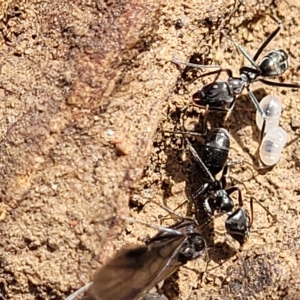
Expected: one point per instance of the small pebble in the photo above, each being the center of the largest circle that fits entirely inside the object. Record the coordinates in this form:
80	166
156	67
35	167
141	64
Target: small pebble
295	123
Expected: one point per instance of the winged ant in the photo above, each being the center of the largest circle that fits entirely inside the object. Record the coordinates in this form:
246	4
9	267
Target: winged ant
134	271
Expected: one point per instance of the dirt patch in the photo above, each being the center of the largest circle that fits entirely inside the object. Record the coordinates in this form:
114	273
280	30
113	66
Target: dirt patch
84	87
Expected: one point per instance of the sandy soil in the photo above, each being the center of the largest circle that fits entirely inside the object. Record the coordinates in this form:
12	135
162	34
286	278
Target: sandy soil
87	92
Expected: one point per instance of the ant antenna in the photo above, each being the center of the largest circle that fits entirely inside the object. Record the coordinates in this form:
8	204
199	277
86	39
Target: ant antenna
262	206
158	228
170	211
178	62
79	291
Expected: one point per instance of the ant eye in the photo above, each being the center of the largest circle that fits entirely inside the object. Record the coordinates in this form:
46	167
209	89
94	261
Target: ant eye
199	243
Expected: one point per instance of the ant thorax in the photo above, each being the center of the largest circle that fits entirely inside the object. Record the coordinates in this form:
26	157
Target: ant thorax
237	84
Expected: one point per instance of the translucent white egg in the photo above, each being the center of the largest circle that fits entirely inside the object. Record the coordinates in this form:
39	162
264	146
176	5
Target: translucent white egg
272	145
271	106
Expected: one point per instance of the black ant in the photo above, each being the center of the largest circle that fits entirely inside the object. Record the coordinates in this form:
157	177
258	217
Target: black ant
215	149
134	271
221	95
214	196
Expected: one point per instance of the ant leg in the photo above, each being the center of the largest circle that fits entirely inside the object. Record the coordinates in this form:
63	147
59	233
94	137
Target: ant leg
269	38
204	126
200	191
238	255
234	179
262	206
185	132
207	260
173	211
261	48
242	182
159	294
204	123
199	161
236	189
178	62
218	72
243	262
168	230
280	84
206	223
237	4
184	223
240	199
256	104
170	211
262	132
242	50
224	176
252	212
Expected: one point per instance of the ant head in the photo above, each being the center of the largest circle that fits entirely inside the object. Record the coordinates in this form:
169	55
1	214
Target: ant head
199	244
238	225
223	203
193	247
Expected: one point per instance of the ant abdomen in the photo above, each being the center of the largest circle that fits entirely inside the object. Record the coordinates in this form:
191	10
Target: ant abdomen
274	63
214	152
272	145
271	106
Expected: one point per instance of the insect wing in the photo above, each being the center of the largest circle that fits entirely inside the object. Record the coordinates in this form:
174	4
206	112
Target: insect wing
132	272
153	296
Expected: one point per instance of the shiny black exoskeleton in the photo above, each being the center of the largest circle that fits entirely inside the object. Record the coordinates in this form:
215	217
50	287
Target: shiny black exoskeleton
214	152
274	63
148	264
214	197
216	95
215	149
221	95
239	223
192	245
